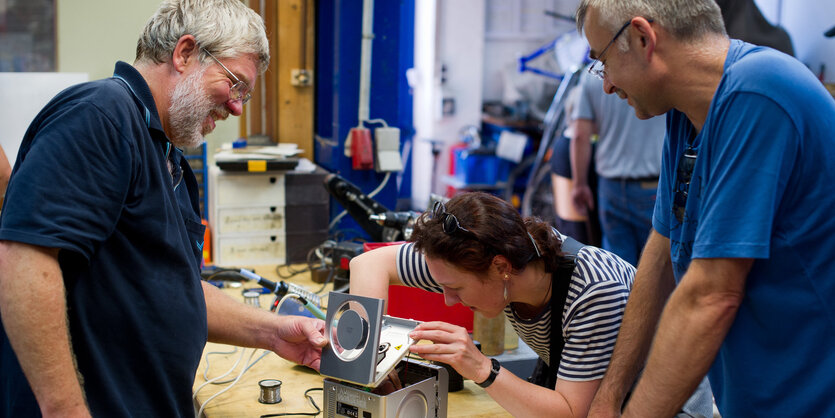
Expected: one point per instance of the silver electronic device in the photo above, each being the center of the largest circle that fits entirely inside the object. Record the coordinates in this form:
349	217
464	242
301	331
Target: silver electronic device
365	347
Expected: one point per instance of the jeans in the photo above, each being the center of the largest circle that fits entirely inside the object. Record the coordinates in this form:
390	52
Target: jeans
625	210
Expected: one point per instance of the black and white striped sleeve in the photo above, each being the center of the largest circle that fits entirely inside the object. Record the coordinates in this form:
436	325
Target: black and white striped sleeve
593	318
413	271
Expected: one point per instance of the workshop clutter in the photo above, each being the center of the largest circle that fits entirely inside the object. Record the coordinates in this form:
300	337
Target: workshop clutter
479	166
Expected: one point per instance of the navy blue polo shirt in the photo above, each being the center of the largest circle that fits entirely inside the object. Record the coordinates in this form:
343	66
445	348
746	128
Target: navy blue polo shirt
91	179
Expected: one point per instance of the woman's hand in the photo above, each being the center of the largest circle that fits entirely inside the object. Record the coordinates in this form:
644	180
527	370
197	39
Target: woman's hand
451	345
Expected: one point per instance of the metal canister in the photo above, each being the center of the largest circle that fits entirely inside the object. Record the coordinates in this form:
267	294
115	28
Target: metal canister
270	391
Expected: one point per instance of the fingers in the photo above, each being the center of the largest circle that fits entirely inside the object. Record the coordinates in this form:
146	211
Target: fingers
438	325
315	331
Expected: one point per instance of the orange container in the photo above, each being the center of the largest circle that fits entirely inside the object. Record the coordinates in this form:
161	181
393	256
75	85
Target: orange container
207	244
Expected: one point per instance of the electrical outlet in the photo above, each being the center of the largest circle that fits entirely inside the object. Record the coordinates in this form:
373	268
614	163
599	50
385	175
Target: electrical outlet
387	149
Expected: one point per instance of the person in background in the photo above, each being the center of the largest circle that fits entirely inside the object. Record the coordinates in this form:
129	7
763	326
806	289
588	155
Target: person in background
5	173
627	161
582	226
563	299
735	279
103	310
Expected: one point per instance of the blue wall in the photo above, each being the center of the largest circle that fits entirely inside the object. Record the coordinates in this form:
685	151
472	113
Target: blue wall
339	26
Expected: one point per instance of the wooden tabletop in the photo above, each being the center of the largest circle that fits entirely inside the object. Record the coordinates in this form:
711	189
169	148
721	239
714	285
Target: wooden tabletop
242	399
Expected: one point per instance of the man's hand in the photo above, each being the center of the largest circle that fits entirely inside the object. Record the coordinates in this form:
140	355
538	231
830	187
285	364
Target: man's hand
451	345
300	339
582	198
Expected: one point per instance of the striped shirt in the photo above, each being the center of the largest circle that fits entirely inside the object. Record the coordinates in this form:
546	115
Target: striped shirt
591	316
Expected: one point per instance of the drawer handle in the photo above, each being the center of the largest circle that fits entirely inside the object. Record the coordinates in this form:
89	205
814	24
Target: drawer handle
272	180
272	238
272	209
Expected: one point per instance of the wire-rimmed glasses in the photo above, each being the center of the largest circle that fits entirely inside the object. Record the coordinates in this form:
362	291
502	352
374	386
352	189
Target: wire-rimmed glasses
240	89
597	67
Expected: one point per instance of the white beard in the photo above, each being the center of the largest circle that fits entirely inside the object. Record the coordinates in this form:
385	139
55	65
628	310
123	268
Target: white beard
190	106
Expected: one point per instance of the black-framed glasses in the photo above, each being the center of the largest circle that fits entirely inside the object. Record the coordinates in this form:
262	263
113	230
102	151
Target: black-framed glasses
684	174
449	222
597	67
240	89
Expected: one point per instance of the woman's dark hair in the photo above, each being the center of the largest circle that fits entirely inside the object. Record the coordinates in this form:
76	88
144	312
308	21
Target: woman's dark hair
495	228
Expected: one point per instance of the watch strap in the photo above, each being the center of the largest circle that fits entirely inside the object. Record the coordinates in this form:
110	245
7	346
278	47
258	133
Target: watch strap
495	366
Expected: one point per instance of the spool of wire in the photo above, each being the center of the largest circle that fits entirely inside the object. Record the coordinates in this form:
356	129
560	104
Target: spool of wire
270	391
252	297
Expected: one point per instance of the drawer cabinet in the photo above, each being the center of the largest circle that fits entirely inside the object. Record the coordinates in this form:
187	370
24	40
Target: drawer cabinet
273	217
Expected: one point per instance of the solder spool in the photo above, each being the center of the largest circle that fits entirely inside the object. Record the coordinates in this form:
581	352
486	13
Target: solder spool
270	391
252	297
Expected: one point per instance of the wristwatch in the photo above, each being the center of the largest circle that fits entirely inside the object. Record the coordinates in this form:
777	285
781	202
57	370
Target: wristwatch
494	371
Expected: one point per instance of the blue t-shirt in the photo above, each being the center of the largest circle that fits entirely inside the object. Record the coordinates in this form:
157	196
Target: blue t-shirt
92	179
760	190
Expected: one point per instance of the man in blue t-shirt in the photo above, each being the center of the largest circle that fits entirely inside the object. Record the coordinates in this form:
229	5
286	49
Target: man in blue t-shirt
736	279
103	310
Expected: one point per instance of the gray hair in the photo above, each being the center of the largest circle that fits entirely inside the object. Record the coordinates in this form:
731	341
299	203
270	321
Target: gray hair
226	28
686	20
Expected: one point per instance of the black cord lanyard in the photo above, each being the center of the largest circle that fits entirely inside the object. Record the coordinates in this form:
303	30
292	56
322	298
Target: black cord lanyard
560	281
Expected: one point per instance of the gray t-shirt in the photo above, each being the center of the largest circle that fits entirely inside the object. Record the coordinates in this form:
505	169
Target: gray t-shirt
627	146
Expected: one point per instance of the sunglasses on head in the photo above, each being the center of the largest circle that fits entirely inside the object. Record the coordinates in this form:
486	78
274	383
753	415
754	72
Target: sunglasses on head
449	222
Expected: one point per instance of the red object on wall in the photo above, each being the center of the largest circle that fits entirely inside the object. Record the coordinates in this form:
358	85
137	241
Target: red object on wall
418	304
362	152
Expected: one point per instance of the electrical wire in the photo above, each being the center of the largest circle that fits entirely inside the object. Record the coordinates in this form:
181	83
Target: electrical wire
206	369
224	390
379	188
248	366
291	272
307	414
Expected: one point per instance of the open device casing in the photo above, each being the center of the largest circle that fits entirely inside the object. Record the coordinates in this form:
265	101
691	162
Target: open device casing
365	347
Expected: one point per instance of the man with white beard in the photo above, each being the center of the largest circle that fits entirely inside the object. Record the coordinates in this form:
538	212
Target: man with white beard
103	310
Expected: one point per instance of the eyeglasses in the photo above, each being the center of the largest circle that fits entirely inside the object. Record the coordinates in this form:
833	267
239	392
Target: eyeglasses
684	174
240	89
597	67
448	221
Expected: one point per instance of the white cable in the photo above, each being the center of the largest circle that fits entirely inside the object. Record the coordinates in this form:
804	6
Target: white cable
337	219
365	59
203	405
381	121
248	366
382	184
194	396
206	369
284	298
342	214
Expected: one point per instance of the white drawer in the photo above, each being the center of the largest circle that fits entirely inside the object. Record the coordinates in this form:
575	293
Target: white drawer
255	250
248	220
250	189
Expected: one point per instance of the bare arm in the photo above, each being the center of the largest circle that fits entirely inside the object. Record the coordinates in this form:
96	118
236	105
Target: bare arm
452	345
580	160
694	324
31	279
374	271
5	173
296	338
653	284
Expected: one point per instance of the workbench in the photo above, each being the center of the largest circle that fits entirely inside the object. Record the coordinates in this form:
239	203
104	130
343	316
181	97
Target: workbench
242	399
